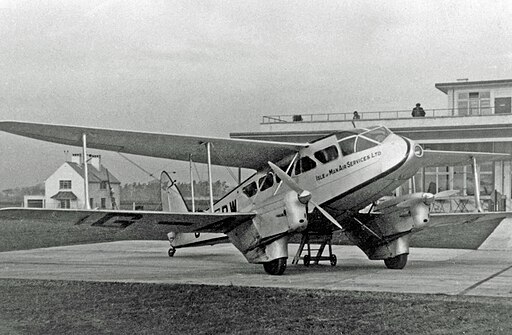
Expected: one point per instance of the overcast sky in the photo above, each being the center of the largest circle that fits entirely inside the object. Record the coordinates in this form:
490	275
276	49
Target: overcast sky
215	67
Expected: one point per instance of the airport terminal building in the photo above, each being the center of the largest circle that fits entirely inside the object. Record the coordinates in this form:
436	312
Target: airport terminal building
477	117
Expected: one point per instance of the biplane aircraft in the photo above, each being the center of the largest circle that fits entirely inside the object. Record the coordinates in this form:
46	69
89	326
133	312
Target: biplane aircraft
330	183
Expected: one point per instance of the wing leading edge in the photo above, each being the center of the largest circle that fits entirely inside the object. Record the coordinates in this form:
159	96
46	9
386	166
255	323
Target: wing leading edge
459	158
147	222
251	154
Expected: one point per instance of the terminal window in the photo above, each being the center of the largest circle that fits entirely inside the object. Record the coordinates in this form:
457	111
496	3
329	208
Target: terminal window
474	103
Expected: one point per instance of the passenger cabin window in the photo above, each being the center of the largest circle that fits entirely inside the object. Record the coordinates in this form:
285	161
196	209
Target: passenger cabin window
266	182
251	189
328	154
304	164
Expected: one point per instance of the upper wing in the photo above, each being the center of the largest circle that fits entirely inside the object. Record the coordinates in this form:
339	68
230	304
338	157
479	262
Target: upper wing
458	158
147	222
250	154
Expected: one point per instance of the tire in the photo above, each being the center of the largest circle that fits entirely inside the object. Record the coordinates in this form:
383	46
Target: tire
171	251
275	267
396	263
307	260
333	260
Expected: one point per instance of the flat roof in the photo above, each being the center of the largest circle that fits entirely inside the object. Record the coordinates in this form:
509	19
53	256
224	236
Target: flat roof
444	87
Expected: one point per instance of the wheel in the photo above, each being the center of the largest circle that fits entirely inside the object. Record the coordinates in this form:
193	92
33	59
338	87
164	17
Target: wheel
171	251
333	260
397	262
275	267
307	260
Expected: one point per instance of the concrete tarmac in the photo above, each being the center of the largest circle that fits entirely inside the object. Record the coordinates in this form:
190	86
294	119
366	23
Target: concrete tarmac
429	271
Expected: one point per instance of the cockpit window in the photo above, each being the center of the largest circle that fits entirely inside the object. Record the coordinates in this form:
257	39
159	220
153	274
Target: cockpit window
266	182
304	164
347	146
363	143
251	189
378	134
328	154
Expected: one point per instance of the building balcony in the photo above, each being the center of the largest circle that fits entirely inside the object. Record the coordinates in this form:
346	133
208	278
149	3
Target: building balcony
391	119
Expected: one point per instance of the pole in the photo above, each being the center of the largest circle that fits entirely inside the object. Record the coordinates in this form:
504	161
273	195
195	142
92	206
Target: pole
208	150
86	172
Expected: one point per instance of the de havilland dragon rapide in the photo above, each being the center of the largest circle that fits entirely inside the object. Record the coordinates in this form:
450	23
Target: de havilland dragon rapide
337	182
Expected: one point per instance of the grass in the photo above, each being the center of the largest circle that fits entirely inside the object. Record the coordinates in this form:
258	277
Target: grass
65	307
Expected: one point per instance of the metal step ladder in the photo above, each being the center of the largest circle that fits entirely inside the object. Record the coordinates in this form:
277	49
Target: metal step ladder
314	242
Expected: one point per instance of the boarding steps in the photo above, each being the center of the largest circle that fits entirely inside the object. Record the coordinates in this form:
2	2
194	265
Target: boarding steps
315	242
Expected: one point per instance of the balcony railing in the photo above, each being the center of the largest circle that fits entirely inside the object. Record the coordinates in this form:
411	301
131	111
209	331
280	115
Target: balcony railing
397	114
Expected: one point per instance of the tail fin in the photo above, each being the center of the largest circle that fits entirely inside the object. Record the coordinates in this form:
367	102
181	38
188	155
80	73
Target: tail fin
172	199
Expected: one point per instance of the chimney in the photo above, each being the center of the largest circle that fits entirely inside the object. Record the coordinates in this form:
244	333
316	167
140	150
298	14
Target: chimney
76	158
95	160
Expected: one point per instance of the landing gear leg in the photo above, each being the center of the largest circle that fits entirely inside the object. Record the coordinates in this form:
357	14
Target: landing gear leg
396	263
171	251
275	267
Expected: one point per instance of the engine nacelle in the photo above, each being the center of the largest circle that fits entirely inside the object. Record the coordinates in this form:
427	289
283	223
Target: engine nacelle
420	214
296	212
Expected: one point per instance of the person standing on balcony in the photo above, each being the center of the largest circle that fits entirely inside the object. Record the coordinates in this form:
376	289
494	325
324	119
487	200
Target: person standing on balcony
418	111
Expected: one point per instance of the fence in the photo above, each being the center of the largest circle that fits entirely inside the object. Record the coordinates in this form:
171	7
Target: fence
378	115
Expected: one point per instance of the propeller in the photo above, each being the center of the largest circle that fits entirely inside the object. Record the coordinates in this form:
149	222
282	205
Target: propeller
427	198
303	195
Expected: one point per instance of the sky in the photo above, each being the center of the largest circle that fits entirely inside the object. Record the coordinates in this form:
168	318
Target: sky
215	67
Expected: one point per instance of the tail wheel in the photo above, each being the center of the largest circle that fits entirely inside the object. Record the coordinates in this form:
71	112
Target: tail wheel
397	262
275	267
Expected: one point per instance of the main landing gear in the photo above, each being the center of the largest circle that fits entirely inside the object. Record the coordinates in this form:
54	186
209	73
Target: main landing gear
171	251
396	263
275	267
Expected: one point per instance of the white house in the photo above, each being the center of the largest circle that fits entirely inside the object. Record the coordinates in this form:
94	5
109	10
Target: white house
65	187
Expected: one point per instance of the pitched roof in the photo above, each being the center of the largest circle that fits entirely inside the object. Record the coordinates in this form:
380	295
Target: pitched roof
64	195
95	175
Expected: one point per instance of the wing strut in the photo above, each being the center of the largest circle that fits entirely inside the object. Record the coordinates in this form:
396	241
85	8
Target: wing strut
476	181
210	185
87	205
192	185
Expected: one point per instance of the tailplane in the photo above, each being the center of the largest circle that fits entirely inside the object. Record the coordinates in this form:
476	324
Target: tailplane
173	201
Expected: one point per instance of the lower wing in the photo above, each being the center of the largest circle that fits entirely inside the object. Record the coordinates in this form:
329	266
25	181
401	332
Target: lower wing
440	219
143	221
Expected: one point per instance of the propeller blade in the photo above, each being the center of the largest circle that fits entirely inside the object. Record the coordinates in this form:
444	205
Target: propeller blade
426	198
446	194
303	195
286	178
327	215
